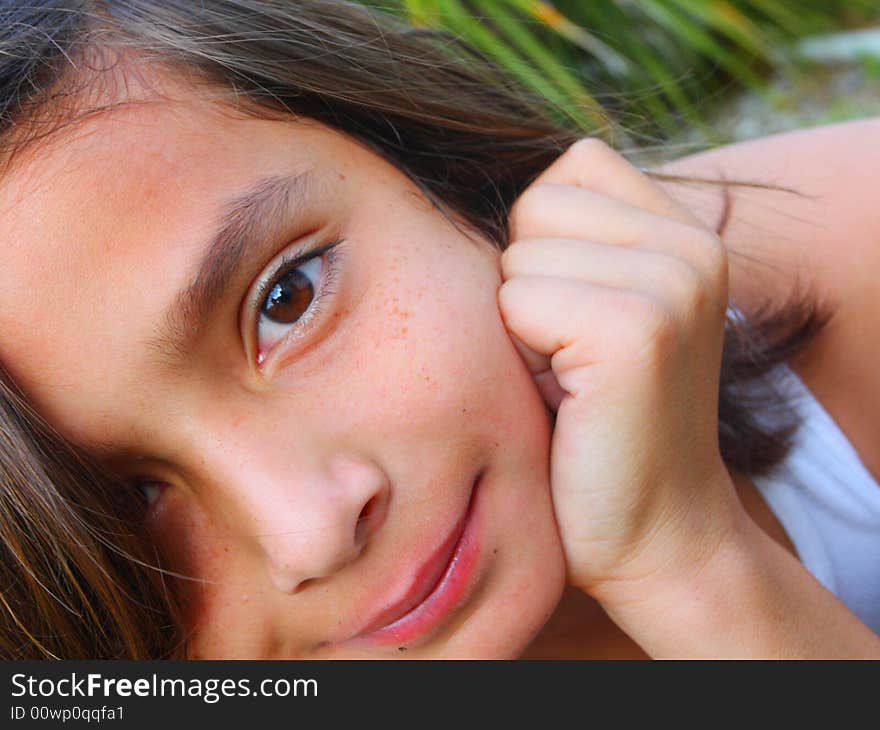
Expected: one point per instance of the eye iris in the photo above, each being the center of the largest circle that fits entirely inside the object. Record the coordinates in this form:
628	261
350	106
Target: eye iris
288	300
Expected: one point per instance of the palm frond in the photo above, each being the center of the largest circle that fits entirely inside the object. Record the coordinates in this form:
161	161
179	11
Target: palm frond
648	60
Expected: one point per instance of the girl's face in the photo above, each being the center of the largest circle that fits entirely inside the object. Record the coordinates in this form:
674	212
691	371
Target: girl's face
318	431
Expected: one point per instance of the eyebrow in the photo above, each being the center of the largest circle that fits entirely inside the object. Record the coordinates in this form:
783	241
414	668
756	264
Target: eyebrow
246	220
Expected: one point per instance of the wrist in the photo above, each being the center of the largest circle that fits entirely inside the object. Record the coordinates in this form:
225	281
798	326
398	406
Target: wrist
683	545
698	599
748	598
692	559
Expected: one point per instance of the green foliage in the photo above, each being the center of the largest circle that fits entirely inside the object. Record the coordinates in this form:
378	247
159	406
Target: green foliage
871	66
650	64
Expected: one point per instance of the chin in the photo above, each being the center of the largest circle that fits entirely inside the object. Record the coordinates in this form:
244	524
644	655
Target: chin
513	613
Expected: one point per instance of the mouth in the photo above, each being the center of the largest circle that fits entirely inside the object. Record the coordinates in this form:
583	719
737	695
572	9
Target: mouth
438	587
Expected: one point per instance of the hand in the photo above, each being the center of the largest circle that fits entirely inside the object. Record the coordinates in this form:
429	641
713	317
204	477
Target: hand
616	298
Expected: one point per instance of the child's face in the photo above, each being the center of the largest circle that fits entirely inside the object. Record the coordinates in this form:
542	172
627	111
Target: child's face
307	491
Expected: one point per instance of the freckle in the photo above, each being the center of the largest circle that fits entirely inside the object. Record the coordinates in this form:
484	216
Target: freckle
464	410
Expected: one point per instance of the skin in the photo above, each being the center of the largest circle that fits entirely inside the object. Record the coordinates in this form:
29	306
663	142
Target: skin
828	234
744	596
304	492
617	292
296	530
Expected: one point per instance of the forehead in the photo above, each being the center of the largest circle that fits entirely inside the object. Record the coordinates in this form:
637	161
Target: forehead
101	229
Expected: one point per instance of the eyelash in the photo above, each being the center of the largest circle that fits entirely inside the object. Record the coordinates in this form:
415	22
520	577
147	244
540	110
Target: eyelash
332	255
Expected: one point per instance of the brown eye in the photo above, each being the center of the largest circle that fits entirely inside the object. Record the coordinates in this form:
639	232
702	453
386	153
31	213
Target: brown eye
290	303
294	297
289	298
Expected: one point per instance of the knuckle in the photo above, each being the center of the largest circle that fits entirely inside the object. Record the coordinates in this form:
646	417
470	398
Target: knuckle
707	261
698	300
688	281
696	294
516	300
512	291
508	289
701	298
525	214
591	157
513	258
507	295
591	146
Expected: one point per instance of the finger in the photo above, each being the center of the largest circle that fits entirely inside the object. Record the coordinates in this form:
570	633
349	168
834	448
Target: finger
590	163
535	361
568	321
550	389
666	277
563	211
539	367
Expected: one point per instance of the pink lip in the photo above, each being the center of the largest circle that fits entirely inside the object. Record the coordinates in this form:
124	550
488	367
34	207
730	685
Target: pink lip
438	586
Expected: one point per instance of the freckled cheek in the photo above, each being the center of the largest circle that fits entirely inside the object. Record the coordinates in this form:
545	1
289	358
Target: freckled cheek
415	348
427	351
220	580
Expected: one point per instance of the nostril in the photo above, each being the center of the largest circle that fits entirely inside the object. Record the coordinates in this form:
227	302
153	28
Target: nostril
368	509
363	522
303	584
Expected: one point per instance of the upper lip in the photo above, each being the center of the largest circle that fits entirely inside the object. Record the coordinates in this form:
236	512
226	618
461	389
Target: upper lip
424	580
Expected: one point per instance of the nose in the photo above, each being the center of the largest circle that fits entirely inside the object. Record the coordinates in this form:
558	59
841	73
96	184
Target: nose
313	525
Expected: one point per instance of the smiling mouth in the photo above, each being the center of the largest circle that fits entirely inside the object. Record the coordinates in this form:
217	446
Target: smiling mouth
438	587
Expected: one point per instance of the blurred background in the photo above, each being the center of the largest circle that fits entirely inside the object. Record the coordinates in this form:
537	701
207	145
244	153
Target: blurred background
676	76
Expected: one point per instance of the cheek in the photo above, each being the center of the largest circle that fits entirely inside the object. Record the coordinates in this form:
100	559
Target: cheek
218	590
431	345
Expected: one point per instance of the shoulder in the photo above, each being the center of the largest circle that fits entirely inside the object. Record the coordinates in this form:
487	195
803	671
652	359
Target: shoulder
826	224
826	232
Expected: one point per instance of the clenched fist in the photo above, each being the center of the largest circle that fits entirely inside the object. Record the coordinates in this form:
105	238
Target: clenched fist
616	298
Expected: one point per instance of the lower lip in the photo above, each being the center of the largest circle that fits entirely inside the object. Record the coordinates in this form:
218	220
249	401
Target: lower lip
446	595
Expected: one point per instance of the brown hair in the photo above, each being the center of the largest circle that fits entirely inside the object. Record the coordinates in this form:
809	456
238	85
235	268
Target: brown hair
78	581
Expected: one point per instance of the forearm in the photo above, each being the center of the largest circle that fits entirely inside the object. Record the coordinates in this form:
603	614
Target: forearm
751	599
